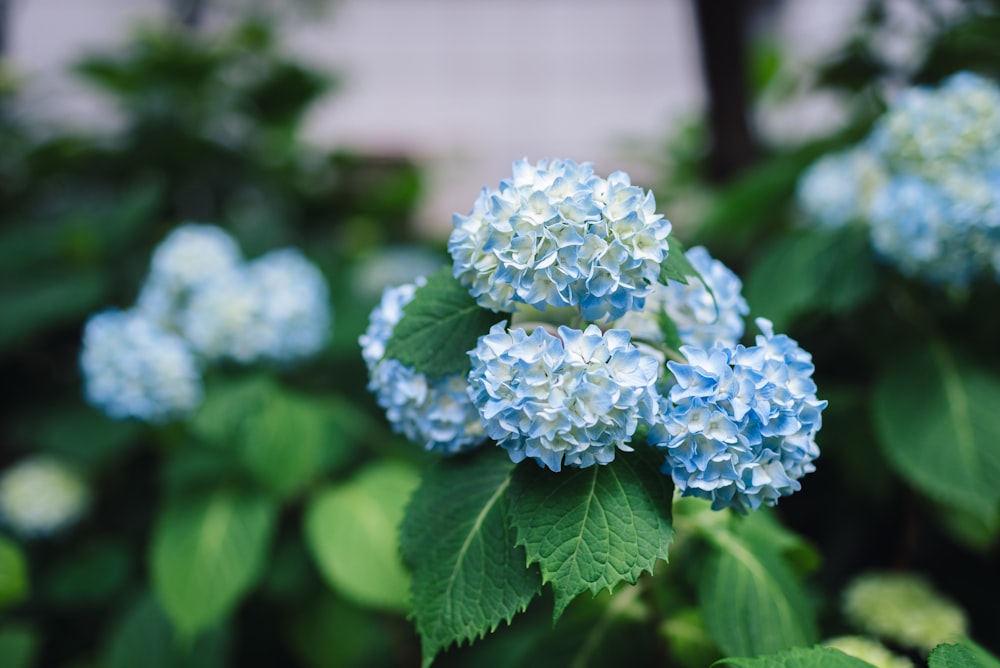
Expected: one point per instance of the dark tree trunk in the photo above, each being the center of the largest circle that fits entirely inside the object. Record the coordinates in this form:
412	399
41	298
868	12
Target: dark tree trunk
187	13
722	38
4	23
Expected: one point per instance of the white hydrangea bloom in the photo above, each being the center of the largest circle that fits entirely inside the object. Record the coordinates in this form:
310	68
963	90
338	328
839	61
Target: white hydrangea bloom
41	495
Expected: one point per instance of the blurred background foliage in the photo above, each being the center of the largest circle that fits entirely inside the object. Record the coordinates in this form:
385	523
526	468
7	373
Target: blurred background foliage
209	131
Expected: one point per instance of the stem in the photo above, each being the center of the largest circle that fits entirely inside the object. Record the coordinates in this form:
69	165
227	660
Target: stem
669	352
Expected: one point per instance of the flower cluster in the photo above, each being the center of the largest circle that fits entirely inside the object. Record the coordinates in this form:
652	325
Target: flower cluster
739	425
570	399
201	303
556	234
41	495
704	311
904	609
135	368
927	181
436	412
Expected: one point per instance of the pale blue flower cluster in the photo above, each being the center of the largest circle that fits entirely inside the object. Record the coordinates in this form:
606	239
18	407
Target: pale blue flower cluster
556	234
41	495
275	308
435	412
566	400
930	131
739	425
132	367
200	303
926	180
838	188
705	311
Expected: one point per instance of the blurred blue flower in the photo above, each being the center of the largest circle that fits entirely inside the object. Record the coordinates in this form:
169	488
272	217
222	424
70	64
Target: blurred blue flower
928	131
705	311
134	368
275	308
435	412
739	425
555	234
566	400
41	495
946	231
837	188
189	256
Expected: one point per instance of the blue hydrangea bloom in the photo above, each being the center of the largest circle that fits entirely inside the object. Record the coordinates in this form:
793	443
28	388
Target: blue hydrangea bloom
566	400
945	232
928	131
190	255
556	234
275	308
738	427
134	368
41	495
837	188
702	317
435	412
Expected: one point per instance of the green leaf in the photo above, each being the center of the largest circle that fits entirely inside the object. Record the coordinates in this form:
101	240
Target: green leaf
798	657
751	600
936	419
352	531
88	576
208	551
18	646
27	308
961	656
676	267
13	573
592	528
468	575
282	438
143	637
818	271
439	326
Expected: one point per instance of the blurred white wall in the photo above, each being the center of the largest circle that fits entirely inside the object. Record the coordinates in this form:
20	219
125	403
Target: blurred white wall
465	86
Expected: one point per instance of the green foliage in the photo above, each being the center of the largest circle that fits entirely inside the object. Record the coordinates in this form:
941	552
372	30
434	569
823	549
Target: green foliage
442	319
937	424
144	637
965	655
352	531
593	528
283	439
752	602
18	646
798	657
88	576
676	267
13	573
468	575
813	272
207	552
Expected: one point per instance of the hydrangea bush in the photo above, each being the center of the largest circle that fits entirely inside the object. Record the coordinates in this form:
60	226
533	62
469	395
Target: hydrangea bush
575	336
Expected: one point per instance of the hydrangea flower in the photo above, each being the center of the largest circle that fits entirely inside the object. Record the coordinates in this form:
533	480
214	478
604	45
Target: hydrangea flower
837	188
869	651
134	368
929	131
189	256
556	234
946	232
41	495
276	307
566	400
435	412
703	315
739	425
904	609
